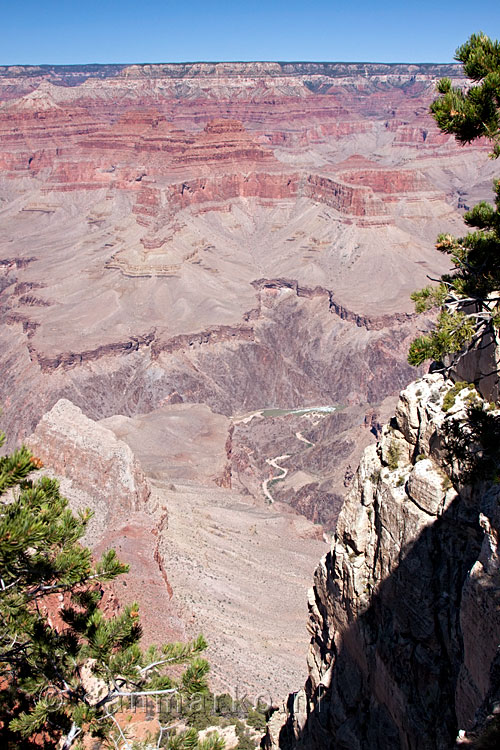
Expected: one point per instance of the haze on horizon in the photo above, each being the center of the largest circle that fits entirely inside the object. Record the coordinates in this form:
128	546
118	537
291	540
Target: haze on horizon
109	31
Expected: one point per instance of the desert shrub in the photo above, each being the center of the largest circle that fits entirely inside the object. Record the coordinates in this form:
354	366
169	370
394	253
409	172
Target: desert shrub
450	398
393	455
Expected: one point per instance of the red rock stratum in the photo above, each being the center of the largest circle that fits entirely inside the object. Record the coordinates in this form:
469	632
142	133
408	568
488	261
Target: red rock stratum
182	246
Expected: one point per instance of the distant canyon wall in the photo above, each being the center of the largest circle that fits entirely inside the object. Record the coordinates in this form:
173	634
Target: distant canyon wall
244	235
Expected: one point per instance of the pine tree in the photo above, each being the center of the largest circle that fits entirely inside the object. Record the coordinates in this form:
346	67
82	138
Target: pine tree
469	296
63	683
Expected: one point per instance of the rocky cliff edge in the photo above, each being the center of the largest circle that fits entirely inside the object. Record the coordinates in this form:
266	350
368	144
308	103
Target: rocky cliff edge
404	613
96	469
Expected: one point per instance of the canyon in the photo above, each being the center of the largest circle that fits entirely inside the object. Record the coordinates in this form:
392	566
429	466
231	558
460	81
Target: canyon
183	247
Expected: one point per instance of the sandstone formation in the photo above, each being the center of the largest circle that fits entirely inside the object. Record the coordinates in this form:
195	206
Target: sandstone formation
241	235
182	246
91	457
403	615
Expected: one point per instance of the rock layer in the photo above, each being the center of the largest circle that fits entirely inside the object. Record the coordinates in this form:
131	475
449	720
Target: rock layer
90	456
226	237
404	616
154	219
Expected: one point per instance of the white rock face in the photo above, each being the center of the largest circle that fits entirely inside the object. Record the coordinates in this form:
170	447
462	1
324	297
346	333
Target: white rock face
426	486
100	470
403	614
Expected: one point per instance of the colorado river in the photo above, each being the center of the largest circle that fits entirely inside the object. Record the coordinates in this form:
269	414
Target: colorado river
320	411
245	418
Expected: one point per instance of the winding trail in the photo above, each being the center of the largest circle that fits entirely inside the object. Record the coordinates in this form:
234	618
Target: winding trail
284	472
319	411
300	436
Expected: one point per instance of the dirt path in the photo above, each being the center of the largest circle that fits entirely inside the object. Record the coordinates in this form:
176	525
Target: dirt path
300	436
284	472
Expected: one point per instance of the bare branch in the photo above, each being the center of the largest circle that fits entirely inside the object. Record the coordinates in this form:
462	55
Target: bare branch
156	664
127	745
71	736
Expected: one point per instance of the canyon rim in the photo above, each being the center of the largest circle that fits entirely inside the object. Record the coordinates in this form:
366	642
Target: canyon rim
205	273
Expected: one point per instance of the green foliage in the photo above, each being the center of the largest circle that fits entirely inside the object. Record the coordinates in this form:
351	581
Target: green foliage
449	399
468	296
256	718
188	740
451	333
194	679
47	671
393	455
473	113
473	399
429	297
245	739
206	709
212	742
14	468
475	257
474	445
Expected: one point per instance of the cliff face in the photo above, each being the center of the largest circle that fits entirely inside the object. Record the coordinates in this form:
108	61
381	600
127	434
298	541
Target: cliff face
213	232
96	470
404	615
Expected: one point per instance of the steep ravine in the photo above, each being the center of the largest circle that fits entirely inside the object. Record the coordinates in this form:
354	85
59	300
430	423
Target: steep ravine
403	614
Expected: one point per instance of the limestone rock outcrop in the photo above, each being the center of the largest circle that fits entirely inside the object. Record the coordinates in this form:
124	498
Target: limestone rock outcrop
404	615
91	457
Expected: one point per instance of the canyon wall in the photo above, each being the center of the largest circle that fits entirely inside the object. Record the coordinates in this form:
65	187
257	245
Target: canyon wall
241	235
403	614
222	238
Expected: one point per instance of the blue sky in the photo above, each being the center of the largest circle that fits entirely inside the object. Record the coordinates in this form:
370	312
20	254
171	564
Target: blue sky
85	31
